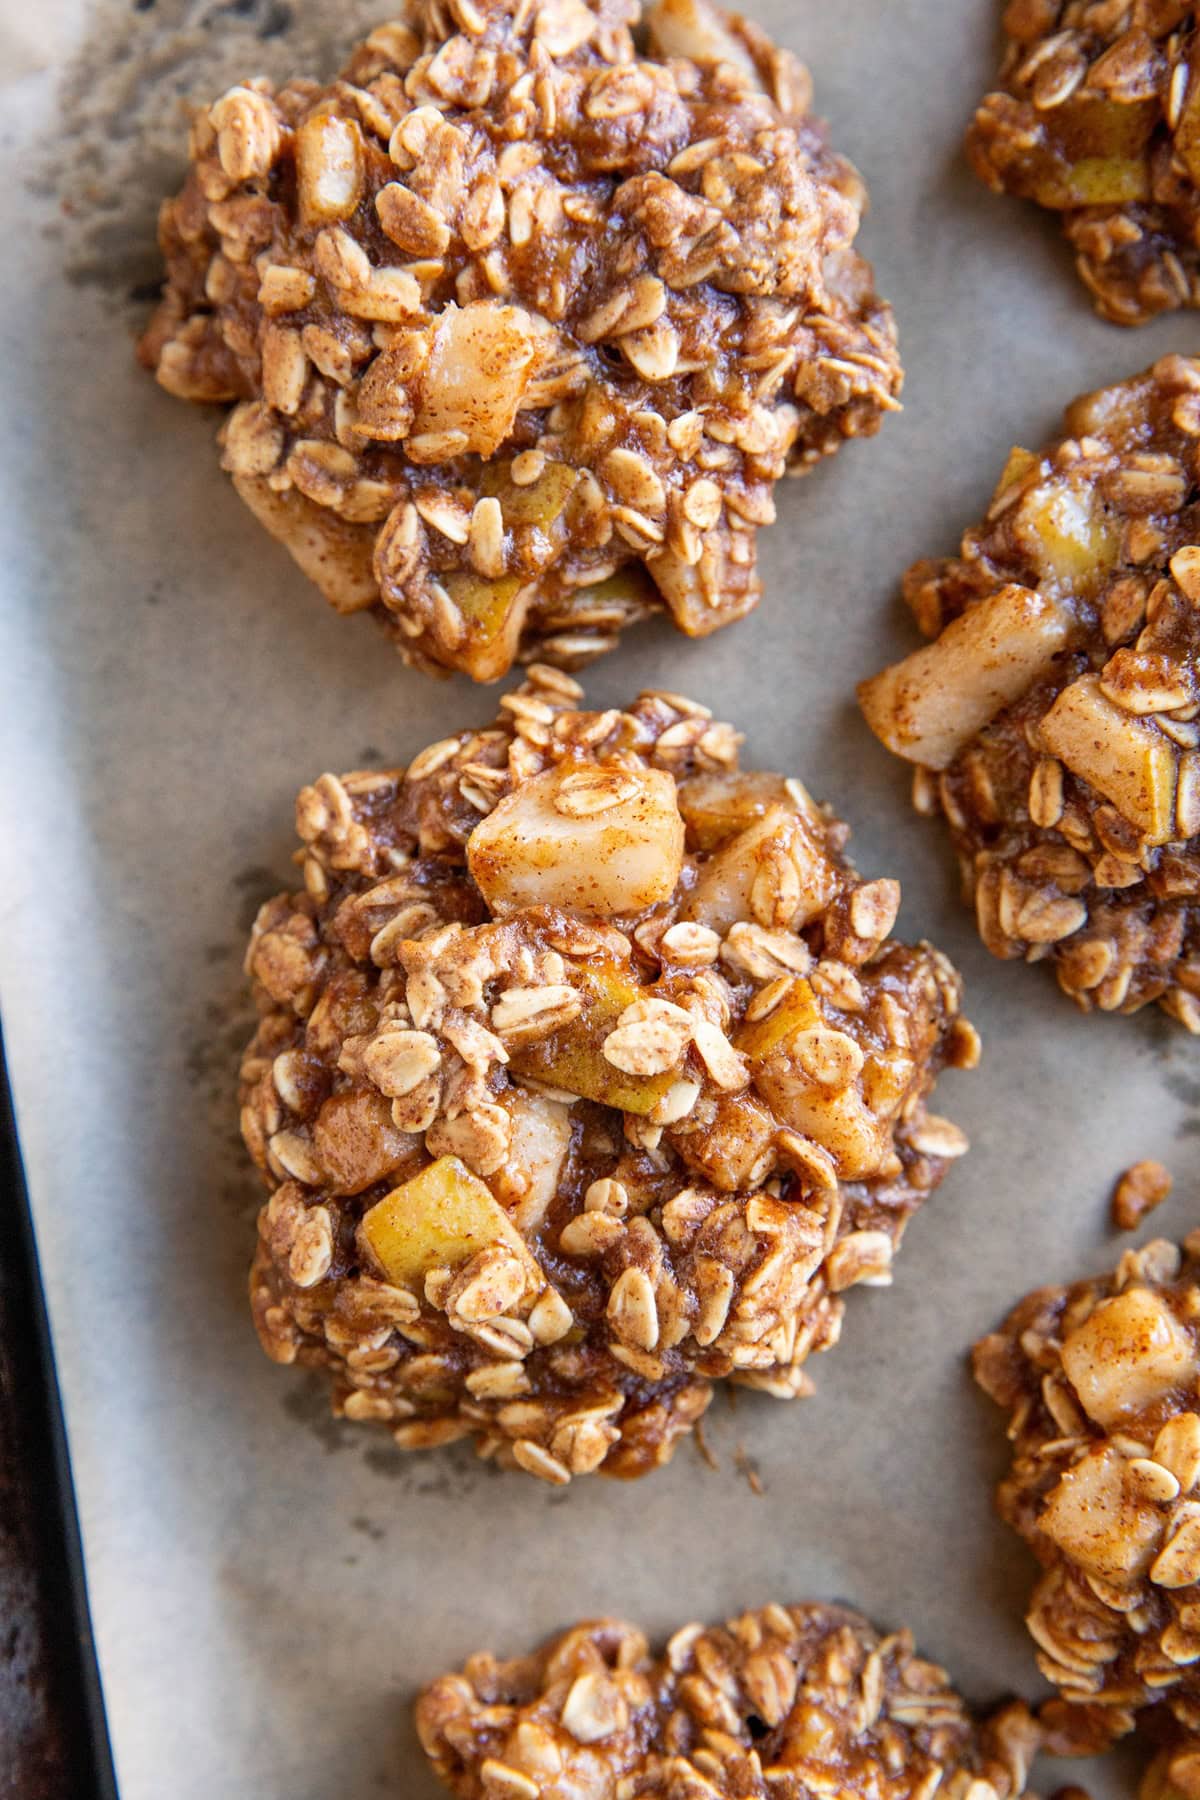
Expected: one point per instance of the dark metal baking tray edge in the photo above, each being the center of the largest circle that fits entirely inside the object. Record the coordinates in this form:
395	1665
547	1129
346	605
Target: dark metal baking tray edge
53	1737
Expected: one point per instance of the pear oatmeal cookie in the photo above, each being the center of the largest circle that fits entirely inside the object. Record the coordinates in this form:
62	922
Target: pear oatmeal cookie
588	1074
1097	117
786	1702
1055	719
521	324
1102	1383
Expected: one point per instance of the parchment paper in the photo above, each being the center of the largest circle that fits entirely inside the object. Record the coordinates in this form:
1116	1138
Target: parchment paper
268	1589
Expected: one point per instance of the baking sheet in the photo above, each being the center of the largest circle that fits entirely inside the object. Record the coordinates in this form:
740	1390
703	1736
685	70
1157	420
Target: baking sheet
268	1588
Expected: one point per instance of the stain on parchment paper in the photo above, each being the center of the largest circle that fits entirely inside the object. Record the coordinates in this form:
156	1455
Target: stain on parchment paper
1187	1089
447	1472
224	1027
224	1024
255	885
1181	1078
306	1402
118	146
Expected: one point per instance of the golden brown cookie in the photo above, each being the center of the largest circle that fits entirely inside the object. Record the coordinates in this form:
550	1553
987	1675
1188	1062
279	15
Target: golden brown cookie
589	1073
1097	116
521	324
1055	718
1101	1381
780	1704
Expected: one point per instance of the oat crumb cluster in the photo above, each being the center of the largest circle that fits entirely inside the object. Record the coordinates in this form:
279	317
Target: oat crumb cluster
785	1703
520	322
1138	1191
1055	717
588	1073
1097	116
1101	1381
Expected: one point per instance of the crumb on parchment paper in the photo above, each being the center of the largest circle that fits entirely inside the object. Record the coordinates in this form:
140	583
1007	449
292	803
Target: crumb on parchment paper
1139	1190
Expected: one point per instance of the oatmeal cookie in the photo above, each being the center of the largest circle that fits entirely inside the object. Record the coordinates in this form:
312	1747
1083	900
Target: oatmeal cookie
1098	118
588	1073
1101	1380
786	1702
521	324
1056	717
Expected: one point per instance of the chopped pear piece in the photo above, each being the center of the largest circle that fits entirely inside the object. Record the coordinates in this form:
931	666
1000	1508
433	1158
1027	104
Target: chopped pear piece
1116	413
336	555
485	605
494	614
760	858
1020	463
539	502
572	1058
630	593
541	1138
356	1143
1068	535
480	365
929	706
716	806
887	1081
1130	1351
440	1219
601	841
841	1123
494	608
1095	154
856	1139
1125	758
807	1072
1090	125
1092	181
1095	1517
797	1011
703	596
